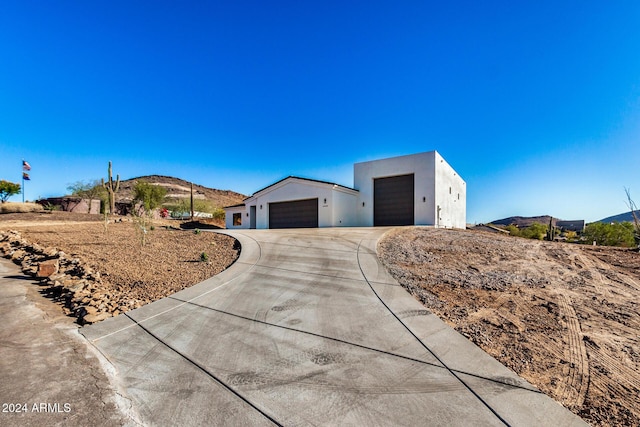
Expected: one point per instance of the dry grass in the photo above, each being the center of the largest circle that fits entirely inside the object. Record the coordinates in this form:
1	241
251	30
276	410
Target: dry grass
9	207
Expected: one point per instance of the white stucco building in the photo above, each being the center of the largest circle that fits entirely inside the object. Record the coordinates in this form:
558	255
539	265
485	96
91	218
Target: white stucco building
418	189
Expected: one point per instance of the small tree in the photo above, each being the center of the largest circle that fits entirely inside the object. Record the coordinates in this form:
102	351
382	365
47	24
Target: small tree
149	197
8	189
92	190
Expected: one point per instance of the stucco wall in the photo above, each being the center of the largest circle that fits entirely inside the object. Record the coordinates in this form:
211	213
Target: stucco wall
344	209
451	195
228	218
421	165
432	178
335	206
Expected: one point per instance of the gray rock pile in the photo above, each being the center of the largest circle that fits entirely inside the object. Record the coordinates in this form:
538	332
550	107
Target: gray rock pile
66	279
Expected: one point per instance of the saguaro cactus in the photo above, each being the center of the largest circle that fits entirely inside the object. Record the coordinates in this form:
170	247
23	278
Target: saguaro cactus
112	188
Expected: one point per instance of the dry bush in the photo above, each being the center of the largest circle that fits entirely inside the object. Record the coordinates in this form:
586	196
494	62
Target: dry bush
8	207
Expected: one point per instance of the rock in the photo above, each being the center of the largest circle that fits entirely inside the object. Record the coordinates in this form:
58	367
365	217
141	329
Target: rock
47	268
58	276
51	252
91	309
93	318
31	270
18	255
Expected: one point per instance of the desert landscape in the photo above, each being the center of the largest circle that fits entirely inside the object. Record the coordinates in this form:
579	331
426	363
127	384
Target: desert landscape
564	317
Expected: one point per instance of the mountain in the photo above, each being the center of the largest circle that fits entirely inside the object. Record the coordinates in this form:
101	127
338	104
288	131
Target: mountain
522	221
627	216
180	189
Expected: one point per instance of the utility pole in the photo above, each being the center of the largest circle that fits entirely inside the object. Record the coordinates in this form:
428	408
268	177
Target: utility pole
192	201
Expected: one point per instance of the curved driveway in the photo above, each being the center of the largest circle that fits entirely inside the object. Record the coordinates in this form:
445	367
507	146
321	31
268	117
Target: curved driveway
307	328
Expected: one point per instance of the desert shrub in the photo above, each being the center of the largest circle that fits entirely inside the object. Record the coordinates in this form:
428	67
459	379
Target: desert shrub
218	213
50	207
197	231
10	207
571	236
204	257
614	234
534	231
513	230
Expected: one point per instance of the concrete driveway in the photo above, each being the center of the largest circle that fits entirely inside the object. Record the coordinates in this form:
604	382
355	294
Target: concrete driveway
307	328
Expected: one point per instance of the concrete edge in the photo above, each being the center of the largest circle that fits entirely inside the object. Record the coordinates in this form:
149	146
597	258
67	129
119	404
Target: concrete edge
250	254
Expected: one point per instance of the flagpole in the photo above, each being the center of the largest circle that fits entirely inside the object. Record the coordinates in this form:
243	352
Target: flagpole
22	171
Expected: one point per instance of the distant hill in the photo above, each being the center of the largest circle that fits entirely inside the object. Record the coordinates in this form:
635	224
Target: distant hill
522	221
627	216
179	189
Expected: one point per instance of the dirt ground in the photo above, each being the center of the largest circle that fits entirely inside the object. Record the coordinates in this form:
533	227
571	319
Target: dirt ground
564	317
169	261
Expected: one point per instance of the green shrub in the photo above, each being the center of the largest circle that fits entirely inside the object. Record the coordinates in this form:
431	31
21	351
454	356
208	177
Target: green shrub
614	234
50	207
513	230
204	257
197	231
535	231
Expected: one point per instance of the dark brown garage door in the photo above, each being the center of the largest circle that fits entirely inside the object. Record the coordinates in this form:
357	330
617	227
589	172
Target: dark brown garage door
297	214
393	200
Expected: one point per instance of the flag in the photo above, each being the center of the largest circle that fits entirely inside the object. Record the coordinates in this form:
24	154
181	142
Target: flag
25	176
26	166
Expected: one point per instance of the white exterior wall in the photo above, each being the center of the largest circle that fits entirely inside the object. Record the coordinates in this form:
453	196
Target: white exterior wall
432	179
338	210
421	165
344	208
228	217
451	196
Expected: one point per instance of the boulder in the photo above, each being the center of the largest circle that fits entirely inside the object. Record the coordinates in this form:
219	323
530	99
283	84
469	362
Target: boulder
48	268
18	255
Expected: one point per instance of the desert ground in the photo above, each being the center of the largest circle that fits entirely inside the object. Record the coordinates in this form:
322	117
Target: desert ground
130	274
564	317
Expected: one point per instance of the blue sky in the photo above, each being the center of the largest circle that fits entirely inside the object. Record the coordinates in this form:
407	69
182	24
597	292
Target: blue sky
535	104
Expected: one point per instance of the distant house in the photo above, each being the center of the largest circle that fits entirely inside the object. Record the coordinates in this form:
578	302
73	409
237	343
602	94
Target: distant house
418	189
577	225
73	204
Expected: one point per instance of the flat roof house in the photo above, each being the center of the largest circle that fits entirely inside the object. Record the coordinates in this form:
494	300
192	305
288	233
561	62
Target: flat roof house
418	189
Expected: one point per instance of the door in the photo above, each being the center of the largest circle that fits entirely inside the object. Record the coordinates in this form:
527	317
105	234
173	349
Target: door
252	217
393	200
295	214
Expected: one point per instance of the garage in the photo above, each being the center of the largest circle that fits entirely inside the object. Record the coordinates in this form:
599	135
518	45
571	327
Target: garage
393	200
295	214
